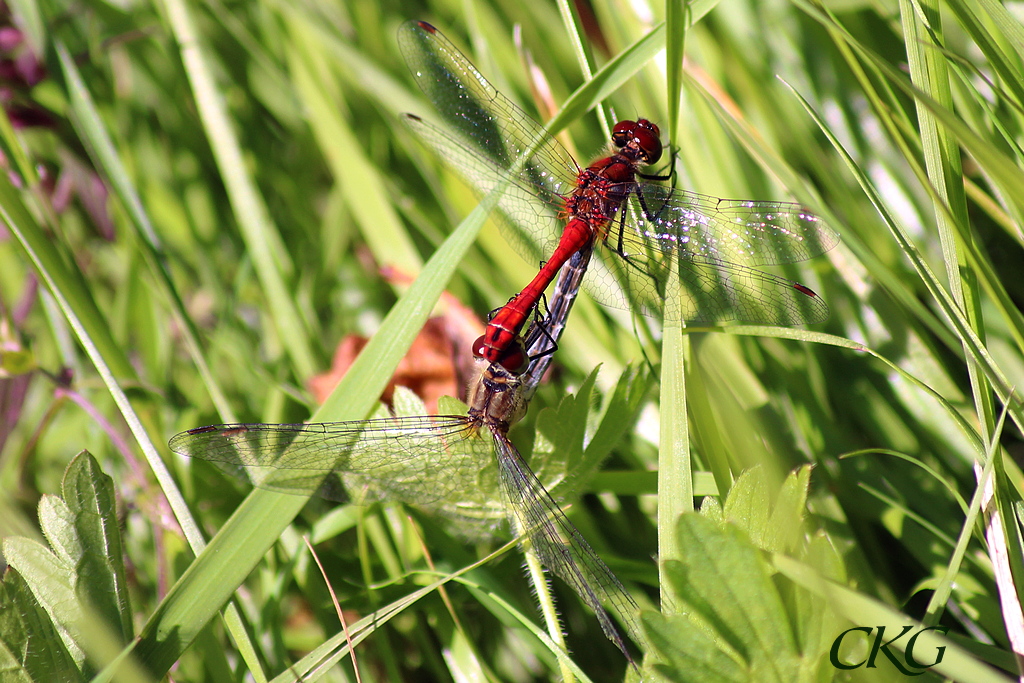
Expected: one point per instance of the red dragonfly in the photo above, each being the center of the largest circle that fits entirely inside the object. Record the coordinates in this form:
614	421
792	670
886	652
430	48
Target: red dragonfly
657	237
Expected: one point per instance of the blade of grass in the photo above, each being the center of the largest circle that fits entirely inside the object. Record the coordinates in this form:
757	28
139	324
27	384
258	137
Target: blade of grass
909	143
929	73
102	151
677	20
675	468
941	296
261	236
1002	170
944	589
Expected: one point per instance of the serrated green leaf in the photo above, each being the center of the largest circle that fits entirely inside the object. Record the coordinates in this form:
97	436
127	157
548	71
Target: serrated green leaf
406	403
723	579
786	522
50	582
749	505
31	648
685	652
99	569
620	412
711	508
57	524
561	432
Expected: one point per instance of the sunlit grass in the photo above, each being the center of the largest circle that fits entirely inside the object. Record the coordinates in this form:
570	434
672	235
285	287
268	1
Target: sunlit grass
259	177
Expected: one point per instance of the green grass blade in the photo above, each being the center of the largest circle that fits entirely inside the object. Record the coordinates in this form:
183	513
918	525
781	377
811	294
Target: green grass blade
262	238
105	156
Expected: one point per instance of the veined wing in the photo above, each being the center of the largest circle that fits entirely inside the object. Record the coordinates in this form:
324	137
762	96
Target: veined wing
710	291
489	140
757	233
529	209
561	547
413	459
486	121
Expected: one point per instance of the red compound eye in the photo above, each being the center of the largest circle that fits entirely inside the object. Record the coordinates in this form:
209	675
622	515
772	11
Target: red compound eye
651	126
622	133
643	134
515	359
479	347
648	139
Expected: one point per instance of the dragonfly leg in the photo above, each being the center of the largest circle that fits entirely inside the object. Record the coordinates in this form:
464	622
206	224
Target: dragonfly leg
620	249
494	311
671	165
540	328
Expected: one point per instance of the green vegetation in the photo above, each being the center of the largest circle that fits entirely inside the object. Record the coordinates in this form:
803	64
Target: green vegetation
259	177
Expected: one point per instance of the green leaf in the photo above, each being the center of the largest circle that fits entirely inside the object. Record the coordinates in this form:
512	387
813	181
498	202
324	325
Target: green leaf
748	505
786	524
99	568
51	581
79	588
31	647
621	411
560	434
726	583
690	653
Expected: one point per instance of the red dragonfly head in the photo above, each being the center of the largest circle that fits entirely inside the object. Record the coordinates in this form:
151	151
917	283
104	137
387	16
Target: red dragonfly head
514	358
641	137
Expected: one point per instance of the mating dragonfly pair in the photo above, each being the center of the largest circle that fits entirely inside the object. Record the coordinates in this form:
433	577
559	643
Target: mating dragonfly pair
649	242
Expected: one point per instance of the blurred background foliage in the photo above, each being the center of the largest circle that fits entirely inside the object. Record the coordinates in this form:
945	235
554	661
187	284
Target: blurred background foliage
205	203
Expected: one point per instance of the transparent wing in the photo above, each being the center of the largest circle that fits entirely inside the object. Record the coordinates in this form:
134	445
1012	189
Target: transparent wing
413	459
710	291
712	243
529	210
483	120
757	233
487	139
561	547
